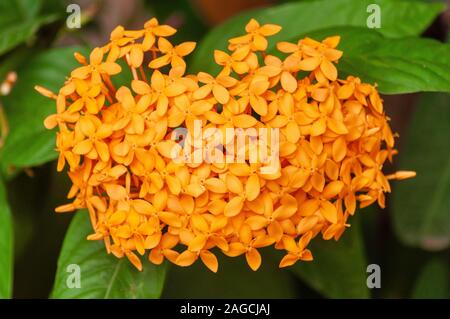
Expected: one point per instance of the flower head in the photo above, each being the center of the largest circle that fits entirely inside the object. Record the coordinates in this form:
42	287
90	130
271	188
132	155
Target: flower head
334	139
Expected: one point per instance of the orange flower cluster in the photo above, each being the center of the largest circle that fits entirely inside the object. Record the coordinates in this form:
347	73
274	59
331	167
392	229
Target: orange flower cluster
116	140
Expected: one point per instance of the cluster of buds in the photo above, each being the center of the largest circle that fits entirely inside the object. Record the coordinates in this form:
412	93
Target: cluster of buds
117	140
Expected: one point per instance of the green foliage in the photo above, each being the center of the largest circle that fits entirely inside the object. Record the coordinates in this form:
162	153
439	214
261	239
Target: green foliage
191	25
6	245
399	19
396	65
433	281
19	21
29	143
339	268
101	275
393	56
421	205
233	280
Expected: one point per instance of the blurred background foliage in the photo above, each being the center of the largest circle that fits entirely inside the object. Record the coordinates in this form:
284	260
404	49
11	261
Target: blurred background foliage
409	239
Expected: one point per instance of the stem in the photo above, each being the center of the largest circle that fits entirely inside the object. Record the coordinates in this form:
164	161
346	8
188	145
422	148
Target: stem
141	71
133	70
109	83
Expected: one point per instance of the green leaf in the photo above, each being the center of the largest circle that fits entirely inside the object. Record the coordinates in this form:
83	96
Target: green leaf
339	268
433	281
397	65
101	275
194	25
15	34
28	142
13	60
421	206
14	11
6	246
19	21
398	19
234	279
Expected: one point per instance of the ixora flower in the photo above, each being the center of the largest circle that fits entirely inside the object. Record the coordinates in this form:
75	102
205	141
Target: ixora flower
333	139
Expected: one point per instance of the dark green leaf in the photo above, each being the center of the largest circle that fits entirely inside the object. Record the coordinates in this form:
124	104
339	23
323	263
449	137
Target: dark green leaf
233	280
191	26
19	21
13	60
102	275
421	206
398	19
396	65
6	246
28	142
339	268
433	281
21	31
14	11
